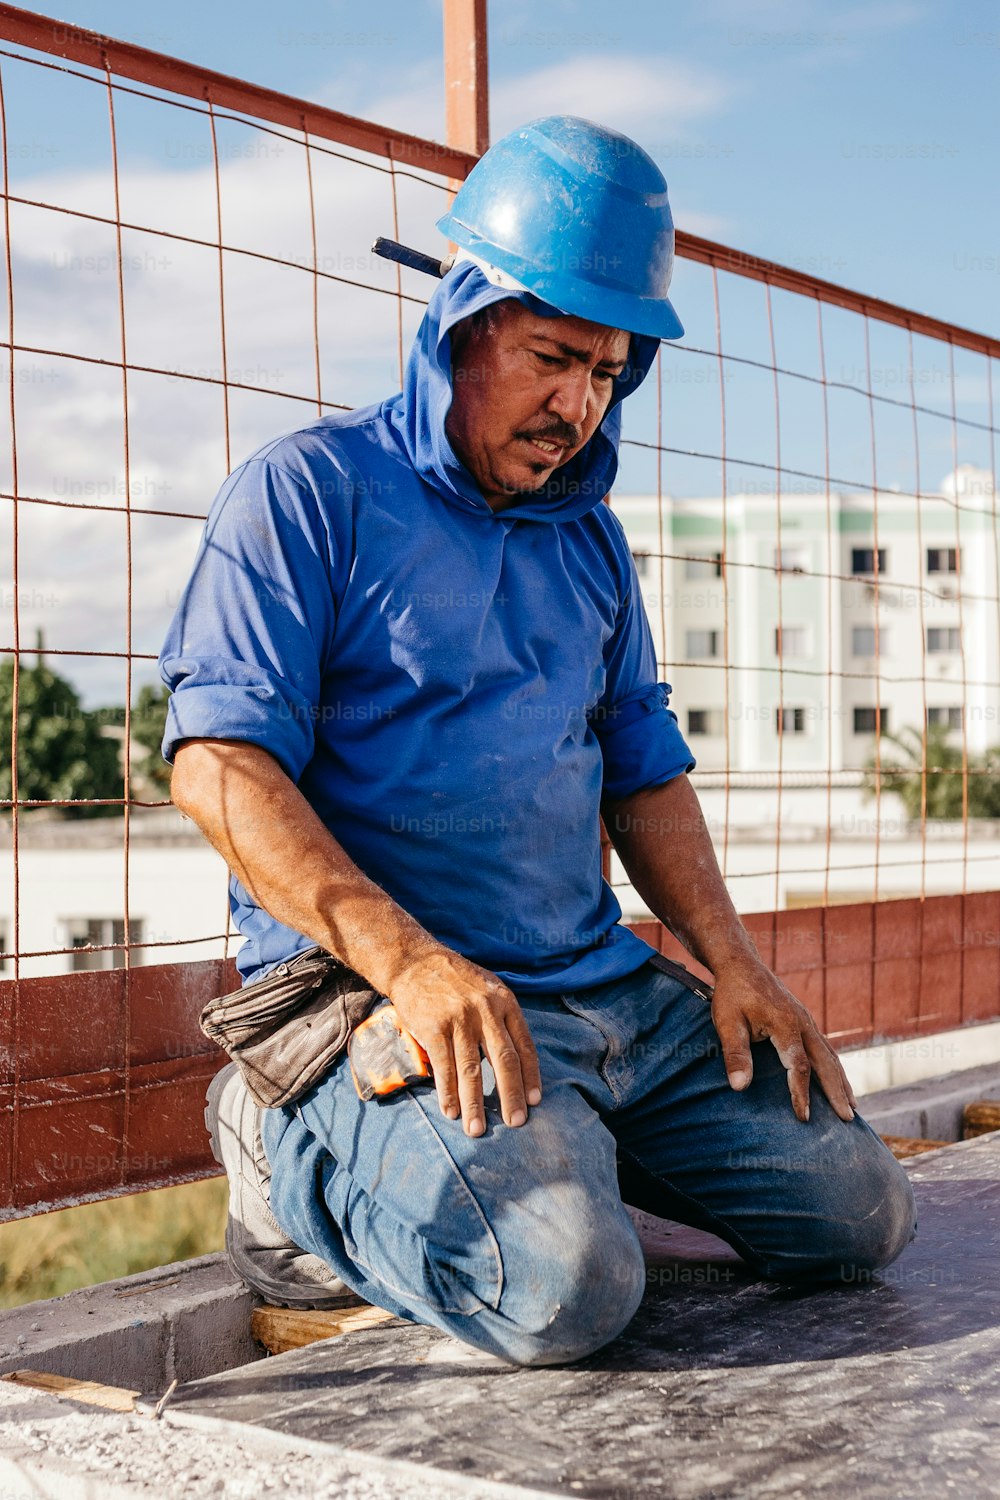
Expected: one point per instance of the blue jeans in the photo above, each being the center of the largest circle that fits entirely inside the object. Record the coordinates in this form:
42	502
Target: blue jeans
518	1242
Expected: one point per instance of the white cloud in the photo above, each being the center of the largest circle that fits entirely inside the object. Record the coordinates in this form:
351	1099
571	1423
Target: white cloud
652	98
645	97
661	102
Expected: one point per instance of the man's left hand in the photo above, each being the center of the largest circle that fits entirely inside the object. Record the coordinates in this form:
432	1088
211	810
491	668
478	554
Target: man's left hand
752	1005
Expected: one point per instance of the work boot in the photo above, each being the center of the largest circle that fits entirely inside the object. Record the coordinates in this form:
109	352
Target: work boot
259	1251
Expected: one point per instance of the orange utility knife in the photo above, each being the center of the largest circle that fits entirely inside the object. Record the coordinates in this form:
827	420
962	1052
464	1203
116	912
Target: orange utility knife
384	1056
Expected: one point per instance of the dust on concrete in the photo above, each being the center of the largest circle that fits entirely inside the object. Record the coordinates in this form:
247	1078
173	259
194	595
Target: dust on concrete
53	1446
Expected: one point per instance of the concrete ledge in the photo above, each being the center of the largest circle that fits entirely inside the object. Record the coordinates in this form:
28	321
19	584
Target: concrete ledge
178	1322
886	1064
933	1107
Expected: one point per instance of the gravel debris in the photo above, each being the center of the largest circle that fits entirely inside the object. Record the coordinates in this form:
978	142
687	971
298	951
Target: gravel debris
162	1460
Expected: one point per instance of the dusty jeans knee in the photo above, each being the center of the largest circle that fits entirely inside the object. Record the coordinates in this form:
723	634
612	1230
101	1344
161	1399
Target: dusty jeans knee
515	1242
816	1200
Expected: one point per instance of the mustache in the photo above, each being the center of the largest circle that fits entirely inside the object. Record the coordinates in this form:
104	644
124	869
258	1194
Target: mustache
556	432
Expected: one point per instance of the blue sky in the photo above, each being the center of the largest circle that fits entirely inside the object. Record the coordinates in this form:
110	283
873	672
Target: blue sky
856	141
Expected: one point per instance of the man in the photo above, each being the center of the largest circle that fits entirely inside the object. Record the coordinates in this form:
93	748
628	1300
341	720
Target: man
410	669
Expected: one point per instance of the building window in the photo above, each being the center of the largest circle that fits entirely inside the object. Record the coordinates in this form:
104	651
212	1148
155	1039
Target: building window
869	640
705	721
791	640
944	638
641	560
703	567
86	933
863	559
790	720
949	717
791	559
942	559
702	642
871	721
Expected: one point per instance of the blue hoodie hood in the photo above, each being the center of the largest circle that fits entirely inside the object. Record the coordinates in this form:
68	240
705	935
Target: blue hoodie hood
418	412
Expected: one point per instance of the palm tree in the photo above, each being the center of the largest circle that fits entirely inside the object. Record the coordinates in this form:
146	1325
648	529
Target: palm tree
902	766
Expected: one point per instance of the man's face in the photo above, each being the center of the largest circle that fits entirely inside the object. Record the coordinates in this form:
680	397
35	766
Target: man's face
529	393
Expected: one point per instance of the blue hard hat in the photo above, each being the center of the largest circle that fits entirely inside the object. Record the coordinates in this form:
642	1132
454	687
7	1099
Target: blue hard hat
578	214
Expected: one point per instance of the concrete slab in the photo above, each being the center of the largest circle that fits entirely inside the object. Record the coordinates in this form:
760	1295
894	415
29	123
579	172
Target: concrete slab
932	1107
722	1386
58	1450
885	1065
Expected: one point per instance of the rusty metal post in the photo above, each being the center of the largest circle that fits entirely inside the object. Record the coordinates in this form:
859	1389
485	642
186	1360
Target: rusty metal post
466	75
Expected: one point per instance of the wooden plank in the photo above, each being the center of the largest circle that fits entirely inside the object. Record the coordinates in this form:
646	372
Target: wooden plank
111	1397
283	1328
902	1146
980	1117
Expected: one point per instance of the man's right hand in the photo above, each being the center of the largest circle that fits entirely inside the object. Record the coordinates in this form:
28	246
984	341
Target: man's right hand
456	1011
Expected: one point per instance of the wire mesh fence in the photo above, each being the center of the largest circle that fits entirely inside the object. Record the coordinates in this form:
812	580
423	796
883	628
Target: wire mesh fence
812	502
182	282
807	482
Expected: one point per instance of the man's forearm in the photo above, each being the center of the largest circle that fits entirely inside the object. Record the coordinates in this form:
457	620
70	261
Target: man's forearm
661	837
291	864
666	850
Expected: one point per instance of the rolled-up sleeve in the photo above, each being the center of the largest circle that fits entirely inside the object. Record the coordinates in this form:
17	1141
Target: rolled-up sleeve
638	732
245	652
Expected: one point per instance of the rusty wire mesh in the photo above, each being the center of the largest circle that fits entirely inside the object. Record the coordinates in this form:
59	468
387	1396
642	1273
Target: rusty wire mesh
185	278
183	281
812	503
193	282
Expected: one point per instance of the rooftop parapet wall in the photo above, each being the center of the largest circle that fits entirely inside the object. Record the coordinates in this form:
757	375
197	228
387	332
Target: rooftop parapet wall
103	1080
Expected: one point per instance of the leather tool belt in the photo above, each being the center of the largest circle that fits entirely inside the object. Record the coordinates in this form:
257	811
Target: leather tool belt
286	1030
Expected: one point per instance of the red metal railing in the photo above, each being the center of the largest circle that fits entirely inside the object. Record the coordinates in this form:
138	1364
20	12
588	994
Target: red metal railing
871	972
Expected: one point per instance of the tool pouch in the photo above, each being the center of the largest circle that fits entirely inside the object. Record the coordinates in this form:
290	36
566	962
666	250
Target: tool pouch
286	1030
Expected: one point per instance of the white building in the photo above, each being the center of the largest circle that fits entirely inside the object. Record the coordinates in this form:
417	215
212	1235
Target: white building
71	893
785	643
788	633
72	874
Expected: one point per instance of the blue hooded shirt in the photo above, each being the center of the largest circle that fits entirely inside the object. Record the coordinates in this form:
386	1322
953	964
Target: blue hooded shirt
451	688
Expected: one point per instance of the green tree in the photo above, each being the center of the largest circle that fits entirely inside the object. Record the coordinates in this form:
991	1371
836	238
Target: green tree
902	757
149	718
61	750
